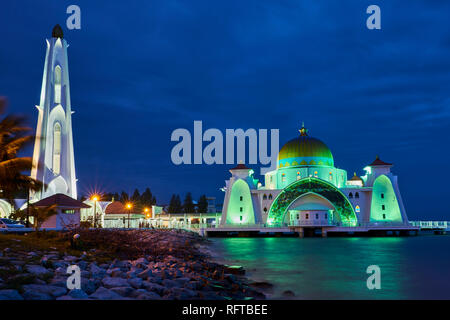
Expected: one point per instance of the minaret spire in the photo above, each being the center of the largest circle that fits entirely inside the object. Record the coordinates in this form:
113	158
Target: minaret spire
53	156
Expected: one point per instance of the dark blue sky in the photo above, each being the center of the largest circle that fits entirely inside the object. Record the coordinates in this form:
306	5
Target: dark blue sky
140	69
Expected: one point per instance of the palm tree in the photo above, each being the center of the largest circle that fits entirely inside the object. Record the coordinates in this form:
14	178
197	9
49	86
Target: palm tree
14	136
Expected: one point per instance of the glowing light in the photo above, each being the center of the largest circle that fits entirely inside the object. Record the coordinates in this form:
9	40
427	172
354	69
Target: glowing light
129	205
386	208
240	211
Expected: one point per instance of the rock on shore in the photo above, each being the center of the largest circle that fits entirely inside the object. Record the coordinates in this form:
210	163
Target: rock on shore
173	269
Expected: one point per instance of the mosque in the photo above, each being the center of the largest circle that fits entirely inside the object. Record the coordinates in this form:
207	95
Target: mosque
307	191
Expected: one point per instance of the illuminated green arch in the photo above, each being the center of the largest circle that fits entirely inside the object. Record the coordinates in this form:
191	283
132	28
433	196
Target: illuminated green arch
323	188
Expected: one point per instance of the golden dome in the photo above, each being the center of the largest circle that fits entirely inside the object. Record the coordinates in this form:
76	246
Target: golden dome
304	150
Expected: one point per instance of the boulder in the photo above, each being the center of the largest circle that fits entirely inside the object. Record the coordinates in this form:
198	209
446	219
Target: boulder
85	274
10	295
288	294
96	272
37	270
82	264
105	294
116	272
109	282
34	295
39	281
70	258
138	292
140	263
148	296
135	282
262	285
234	270
89	286
182	281
170	283
77	294
154	287
145	274
122	264
123	291
60	271
60	264
59	281
54	291
183	293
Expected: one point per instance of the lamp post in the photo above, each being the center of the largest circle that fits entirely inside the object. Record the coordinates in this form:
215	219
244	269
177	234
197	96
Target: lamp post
147	215
129	206
95	199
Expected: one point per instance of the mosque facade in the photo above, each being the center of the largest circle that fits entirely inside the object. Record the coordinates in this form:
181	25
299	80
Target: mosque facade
307	190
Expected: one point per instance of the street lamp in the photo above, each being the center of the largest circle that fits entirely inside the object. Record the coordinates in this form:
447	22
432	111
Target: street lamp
147	215
129	206
95	199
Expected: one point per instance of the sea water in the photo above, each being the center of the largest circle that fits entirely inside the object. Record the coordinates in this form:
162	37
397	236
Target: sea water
416	267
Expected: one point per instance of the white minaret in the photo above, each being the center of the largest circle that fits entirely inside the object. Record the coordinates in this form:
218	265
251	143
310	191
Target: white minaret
53	158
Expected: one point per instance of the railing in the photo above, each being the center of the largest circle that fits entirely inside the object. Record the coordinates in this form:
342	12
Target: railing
307	223
431	224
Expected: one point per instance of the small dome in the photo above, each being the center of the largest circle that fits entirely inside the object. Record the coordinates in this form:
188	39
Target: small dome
356	178
115	207
57	32
304	151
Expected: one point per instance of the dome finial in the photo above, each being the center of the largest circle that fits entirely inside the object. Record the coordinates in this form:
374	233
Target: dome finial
57	32
303	131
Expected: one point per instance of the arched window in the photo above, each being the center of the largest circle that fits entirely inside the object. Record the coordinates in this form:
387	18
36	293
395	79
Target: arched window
57	84
331	176
264	197
315	174
265	209
382	196
56	148
357	209
241	198
283	177
350	195
270	196
298	175
357	195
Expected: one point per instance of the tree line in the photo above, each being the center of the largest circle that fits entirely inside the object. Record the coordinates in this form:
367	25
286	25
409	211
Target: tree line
188	206
139	200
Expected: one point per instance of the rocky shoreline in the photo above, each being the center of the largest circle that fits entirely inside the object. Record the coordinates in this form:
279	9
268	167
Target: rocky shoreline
167	264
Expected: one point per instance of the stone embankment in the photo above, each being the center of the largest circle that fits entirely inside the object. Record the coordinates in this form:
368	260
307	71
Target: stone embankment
163	265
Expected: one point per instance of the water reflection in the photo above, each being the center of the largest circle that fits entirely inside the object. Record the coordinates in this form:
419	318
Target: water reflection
335	268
